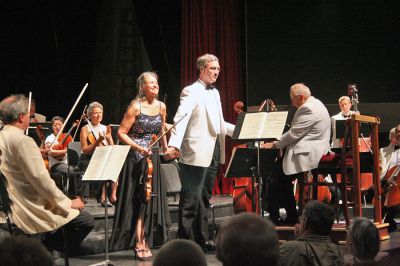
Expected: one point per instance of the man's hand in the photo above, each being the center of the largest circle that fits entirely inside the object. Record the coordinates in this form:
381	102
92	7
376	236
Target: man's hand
171	154
268	145
77	204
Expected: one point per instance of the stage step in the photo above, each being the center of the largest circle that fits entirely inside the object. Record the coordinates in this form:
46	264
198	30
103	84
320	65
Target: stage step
94	243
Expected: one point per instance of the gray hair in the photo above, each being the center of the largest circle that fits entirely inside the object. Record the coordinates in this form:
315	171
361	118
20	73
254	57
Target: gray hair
203	60
300	89
91	106
140	82
392	133
364	239
13	106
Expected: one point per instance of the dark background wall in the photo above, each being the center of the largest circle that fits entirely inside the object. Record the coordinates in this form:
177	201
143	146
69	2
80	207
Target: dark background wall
53	48
325	44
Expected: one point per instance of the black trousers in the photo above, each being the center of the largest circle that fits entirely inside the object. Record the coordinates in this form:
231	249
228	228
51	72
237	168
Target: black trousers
280	194
75	231
197	185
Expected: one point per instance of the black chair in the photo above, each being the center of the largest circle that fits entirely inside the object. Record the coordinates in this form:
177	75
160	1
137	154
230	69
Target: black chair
5	205
74	173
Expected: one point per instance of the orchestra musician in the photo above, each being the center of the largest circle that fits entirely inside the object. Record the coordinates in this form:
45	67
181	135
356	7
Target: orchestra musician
136	218
35	117
200	140
390	157
37	205
57	157
305	142
345	113
92	135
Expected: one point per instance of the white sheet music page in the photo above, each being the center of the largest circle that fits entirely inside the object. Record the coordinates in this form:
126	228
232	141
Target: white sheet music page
274	125
252	125
106	163
115	162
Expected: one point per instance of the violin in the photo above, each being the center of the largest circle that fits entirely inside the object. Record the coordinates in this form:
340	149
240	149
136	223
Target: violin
148	182
65	138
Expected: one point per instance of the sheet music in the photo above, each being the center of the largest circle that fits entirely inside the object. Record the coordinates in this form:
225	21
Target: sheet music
252	124
274	125
263	125
106	163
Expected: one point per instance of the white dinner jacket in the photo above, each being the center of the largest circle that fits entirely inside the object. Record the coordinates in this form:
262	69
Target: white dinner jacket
195	135
308	137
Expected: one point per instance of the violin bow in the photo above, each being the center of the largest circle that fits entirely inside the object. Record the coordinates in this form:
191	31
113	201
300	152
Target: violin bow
165	132
80	120
70	113
29	110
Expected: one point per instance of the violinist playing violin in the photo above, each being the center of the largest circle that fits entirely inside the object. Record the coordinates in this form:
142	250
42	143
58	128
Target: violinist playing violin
390	160
92	135
57	153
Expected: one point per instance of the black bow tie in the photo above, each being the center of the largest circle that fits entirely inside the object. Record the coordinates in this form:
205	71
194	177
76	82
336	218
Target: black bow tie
346	116
210	87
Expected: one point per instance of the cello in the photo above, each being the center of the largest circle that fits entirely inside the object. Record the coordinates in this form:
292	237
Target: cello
243	186
391	187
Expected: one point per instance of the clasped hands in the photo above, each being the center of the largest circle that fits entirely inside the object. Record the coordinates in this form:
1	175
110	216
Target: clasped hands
171	154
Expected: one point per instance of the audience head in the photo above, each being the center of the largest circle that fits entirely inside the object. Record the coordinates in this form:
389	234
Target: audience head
14	110
345	104
363	239
144	81
247	239
24	251
317	219
180	252
299	94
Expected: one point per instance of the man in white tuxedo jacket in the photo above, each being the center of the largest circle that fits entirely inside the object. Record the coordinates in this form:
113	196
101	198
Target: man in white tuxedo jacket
304	144
200	140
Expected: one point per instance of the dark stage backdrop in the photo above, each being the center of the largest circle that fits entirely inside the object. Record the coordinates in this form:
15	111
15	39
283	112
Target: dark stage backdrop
325	44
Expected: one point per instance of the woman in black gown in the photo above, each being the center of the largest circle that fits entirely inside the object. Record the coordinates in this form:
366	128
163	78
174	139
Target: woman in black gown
138	223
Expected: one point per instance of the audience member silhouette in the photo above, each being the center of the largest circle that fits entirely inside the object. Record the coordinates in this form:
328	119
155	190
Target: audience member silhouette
313	245
363	242
180	252
247	239
24	251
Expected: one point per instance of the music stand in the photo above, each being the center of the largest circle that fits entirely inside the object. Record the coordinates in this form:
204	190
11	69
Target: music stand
245	162
105	165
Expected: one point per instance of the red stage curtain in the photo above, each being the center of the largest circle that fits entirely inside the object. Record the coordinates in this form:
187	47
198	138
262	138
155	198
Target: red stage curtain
210	26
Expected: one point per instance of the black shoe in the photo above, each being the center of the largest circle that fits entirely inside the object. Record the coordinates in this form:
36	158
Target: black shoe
206	246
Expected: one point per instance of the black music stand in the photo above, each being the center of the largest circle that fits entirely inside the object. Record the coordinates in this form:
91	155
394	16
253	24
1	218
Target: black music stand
245	162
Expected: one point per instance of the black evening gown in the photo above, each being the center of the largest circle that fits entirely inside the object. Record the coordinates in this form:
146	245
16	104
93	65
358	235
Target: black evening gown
130	204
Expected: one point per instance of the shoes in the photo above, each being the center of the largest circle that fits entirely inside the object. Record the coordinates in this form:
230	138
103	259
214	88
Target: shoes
206	246
142	254
104	202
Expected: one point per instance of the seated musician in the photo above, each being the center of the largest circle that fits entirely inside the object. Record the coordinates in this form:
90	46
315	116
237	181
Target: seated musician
35	117
305	143
92	135
58	161
37	205
389	159
345	113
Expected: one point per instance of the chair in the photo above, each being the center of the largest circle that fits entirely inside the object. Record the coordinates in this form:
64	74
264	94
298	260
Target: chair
170	175
73	151
5	205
